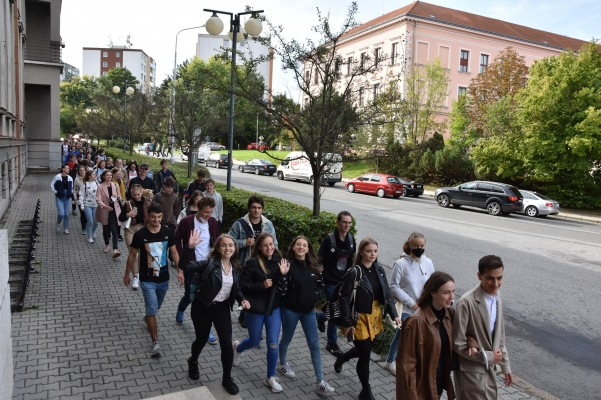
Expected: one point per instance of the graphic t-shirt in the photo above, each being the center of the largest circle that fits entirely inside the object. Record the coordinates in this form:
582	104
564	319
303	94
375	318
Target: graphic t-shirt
256	229
153	248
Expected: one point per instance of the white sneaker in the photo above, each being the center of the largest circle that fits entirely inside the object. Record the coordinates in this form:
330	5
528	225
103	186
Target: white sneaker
286	370
391	367
156	349
90	240
273	384
66	231
94	235
237	356
135	284
324	388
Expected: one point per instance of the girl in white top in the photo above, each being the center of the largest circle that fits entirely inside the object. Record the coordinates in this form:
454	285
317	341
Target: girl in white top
87	203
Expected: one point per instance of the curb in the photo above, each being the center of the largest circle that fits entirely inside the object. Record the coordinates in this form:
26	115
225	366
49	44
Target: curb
528	388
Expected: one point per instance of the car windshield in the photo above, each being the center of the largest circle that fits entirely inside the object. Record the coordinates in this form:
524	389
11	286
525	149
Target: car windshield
392	179
404	181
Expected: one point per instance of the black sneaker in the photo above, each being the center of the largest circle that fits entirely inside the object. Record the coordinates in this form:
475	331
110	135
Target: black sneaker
230	386
193	372
120	238
321	325
338	364
333	349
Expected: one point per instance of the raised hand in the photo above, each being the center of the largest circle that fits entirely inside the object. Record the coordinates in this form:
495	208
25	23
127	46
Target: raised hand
284	266
194	238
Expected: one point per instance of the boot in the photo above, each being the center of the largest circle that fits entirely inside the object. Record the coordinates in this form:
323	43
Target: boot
338	364
193	372
366	394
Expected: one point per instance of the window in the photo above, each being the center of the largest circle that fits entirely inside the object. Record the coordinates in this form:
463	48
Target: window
463	60
349	66
361	96
376	90
375	178
378	56
461	90
118	54
394	54
306	101
307	77
316	78
105	54
363	60
105	64
105	73
118	64
483	62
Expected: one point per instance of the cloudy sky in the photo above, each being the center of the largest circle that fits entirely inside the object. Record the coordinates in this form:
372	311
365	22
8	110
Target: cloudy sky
153	24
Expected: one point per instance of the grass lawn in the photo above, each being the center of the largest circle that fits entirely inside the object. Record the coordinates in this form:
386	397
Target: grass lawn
355	169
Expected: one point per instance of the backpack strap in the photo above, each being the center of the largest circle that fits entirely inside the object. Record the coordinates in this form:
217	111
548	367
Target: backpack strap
247	229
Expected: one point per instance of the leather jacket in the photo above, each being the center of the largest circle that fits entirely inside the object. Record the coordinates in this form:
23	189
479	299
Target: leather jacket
212	286
252	288
364	296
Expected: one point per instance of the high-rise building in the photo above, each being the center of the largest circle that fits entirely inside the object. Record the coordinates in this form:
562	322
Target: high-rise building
69	71
98	61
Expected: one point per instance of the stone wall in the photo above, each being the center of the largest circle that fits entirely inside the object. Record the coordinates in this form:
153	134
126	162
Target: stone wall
6	346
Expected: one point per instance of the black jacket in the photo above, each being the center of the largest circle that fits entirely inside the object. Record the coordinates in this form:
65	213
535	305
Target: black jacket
331	274
304	287
212	286
146	183
253	289
159	180
364	296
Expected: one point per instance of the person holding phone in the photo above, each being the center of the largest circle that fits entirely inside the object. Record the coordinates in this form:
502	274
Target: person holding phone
109	199
137	210
362	328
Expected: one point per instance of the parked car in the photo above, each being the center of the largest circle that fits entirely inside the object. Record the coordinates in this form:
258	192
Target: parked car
217	160
214	146
379	184
257	146
258	166
296	166
203	153
411	188
538	205
496	198
282	147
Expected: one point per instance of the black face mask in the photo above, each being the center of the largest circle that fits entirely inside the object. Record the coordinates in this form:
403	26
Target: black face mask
418	252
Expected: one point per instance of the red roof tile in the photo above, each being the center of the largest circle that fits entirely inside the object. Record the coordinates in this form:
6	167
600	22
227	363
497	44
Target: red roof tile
475	22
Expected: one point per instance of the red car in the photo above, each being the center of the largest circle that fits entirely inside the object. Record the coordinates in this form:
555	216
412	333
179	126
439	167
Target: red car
257	146
379	184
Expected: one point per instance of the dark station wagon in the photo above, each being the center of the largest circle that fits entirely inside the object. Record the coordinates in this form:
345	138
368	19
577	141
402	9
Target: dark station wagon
496	198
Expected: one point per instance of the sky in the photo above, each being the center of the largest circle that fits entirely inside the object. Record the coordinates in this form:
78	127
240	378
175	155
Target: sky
153	24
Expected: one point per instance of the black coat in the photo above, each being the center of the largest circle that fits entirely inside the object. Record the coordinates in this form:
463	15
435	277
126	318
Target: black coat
262	300
212	286
364	296
304	288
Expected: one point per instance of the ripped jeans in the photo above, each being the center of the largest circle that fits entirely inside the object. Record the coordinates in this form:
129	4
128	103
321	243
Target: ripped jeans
255	323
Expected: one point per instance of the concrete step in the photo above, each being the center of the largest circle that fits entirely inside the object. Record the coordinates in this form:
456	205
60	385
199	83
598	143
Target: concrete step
212	391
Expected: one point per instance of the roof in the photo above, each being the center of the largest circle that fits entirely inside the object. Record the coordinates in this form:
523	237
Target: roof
474	22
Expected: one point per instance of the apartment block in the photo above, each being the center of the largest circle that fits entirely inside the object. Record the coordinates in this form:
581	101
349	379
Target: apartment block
69	71
98	61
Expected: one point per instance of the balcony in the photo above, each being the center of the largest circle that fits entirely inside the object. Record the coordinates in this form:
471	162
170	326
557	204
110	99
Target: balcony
43	50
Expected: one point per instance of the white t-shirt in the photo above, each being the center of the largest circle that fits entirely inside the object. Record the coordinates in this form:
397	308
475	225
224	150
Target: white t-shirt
202	249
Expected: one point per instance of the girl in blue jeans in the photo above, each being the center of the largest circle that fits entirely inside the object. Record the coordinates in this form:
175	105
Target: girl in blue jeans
88	204
263	283
305	288
62	186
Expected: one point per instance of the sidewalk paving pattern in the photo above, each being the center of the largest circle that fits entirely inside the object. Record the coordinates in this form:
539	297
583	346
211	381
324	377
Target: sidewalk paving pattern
86	338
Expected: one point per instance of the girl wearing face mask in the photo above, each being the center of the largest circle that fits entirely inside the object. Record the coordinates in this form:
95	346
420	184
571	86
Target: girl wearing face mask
409	275
305	288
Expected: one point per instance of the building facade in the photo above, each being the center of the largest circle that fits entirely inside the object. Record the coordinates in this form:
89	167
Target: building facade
465	43
209	46
30	70
98	61
69	72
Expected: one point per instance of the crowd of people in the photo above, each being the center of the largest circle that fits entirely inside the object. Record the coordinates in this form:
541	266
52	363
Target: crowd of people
276	290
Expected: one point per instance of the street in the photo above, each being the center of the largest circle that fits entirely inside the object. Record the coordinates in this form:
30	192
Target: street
553	272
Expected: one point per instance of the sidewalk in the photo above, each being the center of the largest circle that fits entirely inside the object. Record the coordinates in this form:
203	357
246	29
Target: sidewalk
86	338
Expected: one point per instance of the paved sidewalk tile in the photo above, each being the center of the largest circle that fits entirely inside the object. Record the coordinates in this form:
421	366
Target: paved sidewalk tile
86	338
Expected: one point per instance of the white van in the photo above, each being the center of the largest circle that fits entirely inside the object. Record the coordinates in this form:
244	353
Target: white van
296	166
203	153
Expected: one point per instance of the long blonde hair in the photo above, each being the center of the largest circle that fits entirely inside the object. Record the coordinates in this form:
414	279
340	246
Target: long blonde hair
364	243
257	251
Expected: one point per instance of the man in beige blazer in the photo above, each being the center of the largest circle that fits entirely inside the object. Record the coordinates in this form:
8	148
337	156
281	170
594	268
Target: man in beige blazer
479	314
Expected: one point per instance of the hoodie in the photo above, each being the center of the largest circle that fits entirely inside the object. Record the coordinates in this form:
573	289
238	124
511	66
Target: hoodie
171	206
408	279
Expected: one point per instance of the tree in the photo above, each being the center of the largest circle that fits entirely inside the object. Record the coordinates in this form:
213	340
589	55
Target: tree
463	134
504	77
121	77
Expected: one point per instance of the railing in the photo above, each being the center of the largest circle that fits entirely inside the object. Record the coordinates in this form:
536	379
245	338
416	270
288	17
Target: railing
21	258
43	50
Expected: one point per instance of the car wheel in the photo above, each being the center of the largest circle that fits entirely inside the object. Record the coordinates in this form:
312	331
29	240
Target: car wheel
311	181
494	208
281	175
241	168
456	205
443	200
257	172
331	183
404	192
271	174
351	188
381	193
416	195
396	196
531	211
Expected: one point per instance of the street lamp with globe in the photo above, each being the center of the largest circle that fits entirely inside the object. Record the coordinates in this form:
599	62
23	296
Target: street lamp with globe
252	27
128	92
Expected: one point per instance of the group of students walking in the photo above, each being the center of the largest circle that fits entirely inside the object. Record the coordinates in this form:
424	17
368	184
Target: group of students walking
276	291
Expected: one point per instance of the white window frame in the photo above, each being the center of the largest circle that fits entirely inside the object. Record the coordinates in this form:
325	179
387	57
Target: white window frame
469	58
105	64
449	56
461	86
480	61
118	64
417	51
105	54
118	54
394	56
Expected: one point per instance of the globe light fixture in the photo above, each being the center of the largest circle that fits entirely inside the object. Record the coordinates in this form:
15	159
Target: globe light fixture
214	25
239	36
129	91
253	26
116	89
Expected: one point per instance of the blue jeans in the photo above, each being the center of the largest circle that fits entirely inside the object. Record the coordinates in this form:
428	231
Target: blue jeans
63	209
154	294
185	301
309	323
394	344
91	217
332	328
254	323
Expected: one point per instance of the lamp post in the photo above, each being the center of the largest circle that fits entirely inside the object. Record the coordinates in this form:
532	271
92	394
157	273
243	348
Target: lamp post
128	92
253	27
172	122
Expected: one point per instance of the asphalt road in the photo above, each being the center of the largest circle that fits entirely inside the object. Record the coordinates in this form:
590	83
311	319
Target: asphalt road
552	278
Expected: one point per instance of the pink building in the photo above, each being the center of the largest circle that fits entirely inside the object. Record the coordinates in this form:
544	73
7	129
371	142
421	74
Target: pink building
466	43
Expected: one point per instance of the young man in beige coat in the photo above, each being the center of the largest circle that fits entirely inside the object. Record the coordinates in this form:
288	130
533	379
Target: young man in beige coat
479	314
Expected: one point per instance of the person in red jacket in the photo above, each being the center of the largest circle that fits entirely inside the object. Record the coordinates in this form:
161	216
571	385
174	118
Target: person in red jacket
208	227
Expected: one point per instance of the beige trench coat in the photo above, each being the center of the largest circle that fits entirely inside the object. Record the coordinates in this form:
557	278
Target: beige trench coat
103	200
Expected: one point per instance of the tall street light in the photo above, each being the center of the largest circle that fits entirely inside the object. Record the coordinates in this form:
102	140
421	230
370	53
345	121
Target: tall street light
172	122
128	92
253	27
